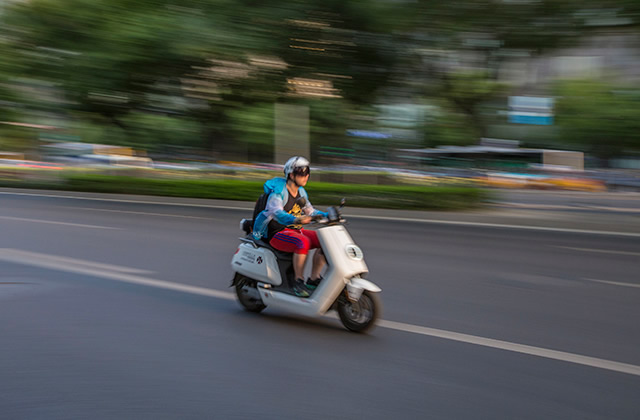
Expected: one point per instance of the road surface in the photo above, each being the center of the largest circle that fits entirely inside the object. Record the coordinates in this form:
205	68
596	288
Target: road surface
113	309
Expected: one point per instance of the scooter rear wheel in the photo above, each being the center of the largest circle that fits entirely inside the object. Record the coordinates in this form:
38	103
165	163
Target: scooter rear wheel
248	302
360	316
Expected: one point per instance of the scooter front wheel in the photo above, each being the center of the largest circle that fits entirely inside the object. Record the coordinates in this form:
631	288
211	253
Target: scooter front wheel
248	302
360	316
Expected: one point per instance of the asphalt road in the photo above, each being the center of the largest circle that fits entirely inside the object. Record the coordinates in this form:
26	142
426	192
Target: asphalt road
111	309
577	201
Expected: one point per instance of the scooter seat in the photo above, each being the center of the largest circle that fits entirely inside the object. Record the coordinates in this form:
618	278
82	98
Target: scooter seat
281	255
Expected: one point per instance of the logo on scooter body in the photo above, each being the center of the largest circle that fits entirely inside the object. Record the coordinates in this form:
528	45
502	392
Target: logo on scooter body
354	252
249	257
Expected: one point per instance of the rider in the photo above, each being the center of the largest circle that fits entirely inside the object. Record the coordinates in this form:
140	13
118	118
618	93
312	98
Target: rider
281	223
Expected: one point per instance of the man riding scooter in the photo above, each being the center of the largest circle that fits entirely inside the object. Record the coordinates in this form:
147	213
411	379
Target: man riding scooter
280	223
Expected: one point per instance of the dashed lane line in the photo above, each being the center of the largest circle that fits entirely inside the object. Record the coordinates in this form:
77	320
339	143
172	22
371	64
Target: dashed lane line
614	283
52	222
500	225
131	201
64	264
142	213
602	251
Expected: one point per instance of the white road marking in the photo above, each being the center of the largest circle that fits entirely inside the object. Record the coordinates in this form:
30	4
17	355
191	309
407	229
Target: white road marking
139	212
618	209
100	270
514	347
614	283
602	251
89	268
51	222
399	219
499	225
118	200
577	206
38	256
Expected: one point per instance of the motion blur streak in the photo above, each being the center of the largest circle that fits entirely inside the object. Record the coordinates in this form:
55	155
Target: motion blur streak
52	222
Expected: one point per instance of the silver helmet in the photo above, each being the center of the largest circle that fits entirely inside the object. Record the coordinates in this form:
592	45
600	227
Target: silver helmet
296	162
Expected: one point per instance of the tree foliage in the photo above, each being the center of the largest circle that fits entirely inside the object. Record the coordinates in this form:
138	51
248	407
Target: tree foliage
205	73
599	117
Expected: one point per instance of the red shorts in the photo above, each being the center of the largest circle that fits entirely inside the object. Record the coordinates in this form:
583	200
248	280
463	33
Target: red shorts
296	241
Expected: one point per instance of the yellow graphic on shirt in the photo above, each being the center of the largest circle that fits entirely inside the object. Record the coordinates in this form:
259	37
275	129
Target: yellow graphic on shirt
297	212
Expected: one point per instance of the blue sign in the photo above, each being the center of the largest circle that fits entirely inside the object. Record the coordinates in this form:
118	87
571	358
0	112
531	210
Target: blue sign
530	118
368	134
531	110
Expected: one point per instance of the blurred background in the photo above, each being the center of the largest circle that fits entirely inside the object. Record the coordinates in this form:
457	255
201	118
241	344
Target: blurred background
512	92
119	307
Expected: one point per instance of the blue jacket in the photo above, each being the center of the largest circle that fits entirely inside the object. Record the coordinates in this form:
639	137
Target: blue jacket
278	197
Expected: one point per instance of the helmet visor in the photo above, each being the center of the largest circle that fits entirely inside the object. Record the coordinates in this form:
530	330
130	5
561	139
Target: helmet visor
301	171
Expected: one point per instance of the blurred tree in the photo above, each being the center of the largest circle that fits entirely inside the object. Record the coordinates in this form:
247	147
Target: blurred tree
109	58
346	43
455	50
207	68
598	117
10	68
448	127
152	131
253	126
329	124
467	91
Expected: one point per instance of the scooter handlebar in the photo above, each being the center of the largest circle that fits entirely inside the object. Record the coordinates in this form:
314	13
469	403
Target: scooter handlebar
333	216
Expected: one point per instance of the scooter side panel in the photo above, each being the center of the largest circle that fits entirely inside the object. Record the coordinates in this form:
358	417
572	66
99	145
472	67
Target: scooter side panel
256	263
341	251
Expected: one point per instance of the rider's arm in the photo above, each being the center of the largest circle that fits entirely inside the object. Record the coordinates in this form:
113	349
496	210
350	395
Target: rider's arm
309	210
275	210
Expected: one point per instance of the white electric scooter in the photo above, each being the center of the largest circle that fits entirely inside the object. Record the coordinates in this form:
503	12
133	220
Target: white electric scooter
262	276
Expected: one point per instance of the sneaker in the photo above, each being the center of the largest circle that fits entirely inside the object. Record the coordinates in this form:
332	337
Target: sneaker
312	284
299	288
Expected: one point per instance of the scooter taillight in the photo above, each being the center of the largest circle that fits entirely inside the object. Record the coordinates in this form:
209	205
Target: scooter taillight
236	251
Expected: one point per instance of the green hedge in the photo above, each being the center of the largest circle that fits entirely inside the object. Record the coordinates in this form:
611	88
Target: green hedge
414	197
375	196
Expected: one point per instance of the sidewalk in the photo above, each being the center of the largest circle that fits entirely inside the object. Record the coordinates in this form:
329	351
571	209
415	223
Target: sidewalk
624	221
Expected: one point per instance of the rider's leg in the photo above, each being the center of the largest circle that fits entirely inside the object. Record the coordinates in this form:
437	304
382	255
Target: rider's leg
290	240
319	262
299	261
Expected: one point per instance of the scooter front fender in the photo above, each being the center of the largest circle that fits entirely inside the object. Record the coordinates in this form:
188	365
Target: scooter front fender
361	283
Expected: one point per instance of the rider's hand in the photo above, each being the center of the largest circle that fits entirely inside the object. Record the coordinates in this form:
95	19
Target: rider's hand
303	220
